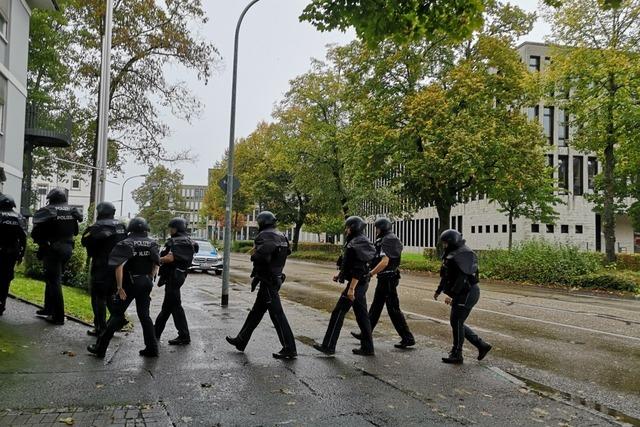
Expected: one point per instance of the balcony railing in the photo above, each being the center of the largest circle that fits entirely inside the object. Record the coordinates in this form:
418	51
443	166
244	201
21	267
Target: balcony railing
45	128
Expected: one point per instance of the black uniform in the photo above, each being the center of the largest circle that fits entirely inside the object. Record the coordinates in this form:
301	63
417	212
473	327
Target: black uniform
173	276
386	290
13	238
54	228
269	258
140	255
100	239
355	262
459	280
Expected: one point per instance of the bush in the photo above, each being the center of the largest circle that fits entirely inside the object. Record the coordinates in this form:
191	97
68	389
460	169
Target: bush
539	262
610	280
628	262
75	273
243	246
320	247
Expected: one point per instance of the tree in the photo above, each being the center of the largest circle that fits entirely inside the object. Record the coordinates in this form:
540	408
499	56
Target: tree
594	74
402	21
160	199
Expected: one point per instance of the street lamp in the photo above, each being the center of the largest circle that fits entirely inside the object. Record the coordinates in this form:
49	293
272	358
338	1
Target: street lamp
232	131
122	190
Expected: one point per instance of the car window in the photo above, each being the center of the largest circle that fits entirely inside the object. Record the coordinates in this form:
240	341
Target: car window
205	247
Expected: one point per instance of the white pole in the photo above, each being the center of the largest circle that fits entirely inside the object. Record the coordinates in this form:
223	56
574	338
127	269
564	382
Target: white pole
103	118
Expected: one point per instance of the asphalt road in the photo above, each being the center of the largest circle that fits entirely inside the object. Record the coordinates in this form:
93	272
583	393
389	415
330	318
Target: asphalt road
587	345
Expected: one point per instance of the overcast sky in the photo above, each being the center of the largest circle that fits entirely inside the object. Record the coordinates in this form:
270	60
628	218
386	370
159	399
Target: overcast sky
274	48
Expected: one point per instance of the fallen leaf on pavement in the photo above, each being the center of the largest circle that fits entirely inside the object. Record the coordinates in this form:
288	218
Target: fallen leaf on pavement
186	419
99	385
291	403
206	385
68	421
486	414
69	353
285	391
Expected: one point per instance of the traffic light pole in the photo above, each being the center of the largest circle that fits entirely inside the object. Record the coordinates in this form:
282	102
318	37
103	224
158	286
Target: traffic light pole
230	189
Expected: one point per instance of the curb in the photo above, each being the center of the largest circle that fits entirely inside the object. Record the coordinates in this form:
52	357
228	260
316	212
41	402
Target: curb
68	316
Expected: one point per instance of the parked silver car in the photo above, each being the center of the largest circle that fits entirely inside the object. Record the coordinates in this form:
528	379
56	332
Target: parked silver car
207	259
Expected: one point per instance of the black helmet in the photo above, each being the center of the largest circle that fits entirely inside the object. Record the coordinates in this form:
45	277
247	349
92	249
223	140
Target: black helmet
180	224
106	210
355	224
56	196
266	219
6	202
138	225
384	225
452	238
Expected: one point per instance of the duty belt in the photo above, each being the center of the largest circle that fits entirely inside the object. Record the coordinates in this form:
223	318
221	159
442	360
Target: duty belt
387	273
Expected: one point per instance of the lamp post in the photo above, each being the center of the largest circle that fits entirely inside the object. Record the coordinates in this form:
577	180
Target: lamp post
122	190
232	131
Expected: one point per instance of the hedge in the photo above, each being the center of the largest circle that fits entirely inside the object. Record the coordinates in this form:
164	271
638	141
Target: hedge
628	262
76	271
626	281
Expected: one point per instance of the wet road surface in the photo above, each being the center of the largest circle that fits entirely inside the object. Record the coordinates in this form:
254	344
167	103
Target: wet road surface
584	344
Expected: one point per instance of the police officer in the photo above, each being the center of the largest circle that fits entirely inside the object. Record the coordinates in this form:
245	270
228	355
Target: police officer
54	227
13	241
387	260
354	264
269	256
459	281
176	258
136	260
100	239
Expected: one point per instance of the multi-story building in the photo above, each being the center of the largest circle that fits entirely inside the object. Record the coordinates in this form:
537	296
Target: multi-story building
77	186
193	196
485	227
14	49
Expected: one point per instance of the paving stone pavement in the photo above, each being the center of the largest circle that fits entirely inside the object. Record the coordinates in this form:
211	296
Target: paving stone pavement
124	416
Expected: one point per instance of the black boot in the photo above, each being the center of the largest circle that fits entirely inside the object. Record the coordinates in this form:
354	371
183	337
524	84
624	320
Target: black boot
356	335
54	321
324	349
483	349
93	333
454	358
93	349
148	353
239	345
180	341
285	354
362	352
43	312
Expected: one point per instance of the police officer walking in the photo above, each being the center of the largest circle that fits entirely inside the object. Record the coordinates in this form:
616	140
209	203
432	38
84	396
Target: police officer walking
459	281
13	241
269	256
175	259
100	239
54	227
136	260
354	264
387	261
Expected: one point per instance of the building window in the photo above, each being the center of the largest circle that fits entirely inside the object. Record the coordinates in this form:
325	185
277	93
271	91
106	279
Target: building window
487	229
579	229
592	171
4	25
534	63
551	228
496	228
460	229
563	128
535	228
564	229
3	91
480	229
563	173
514	228
75	184
534	113
550	164
504	228
548	123
473	229
578	175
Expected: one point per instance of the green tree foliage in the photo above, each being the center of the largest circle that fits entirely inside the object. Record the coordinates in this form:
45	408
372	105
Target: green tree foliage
595	73
159	198
400	20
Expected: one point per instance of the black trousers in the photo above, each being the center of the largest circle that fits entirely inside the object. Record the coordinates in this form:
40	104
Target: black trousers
54	262
7	267
100	293
461	307
268	299
387	293
172	306
359	305
137	288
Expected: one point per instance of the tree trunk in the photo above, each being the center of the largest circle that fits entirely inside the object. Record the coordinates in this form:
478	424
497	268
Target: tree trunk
510	231
608	214
296	235
444	215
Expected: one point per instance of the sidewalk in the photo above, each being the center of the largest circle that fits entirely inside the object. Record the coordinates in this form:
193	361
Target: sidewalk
209	383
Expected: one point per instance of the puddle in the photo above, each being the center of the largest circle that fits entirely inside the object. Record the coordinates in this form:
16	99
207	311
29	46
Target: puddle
546	391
